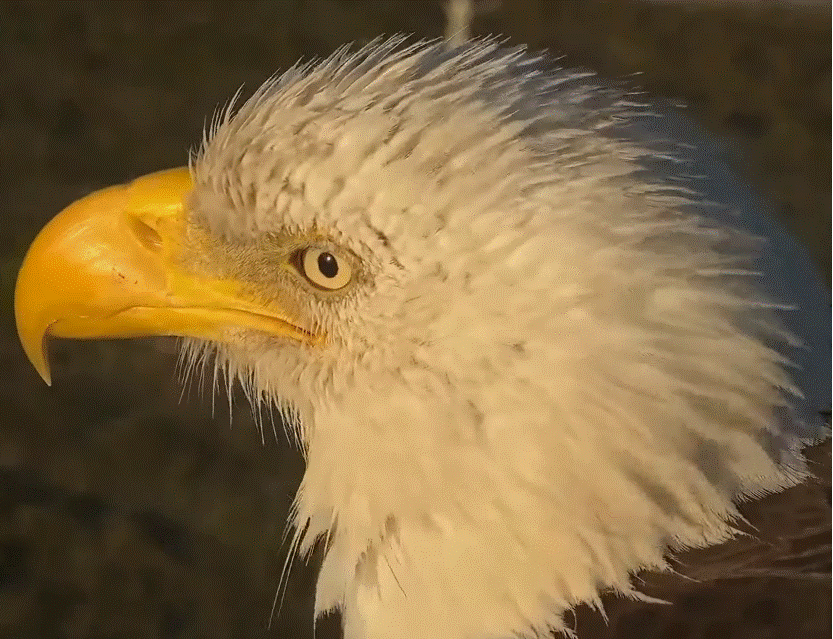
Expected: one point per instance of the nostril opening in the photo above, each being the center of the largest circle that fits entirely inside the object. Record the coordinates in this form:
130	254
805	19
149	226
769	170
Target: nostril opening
148	236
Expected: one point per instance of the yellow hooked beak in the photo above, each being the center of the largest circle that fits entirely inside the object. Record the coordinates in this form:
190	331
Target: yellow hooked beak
107	266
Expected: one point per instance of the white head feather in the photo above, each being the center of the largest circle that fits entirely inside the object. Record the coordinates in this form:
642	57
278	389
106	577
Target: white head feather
544	376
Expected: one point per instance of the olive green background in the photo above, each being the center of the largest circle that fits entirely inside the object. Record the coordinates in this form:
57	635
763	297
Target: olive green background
126	509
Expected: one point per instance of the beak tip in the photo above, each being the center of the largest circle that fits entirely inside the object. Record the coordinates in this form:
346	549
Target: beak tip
45	376
40	362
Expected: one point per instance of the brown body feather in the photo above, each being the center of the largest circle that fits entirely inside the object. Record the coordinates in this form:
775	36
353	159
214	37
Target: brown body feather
736	589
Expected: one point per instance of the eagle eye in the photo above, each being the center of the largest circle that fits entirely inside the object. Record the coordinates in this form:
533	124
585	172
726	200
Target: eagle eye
325	269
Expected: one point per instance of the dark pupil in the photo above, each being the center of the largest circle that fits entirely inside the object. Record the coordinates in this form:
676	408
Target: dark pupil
328	265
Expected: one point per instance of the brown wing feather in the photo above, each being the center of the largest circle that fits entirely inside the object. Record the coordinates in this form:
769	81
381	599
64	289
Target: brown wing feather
787	535
777	574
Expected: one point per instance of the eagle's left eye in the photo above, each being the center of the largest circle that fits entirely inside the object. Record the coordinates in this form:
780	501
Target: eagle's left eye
325	269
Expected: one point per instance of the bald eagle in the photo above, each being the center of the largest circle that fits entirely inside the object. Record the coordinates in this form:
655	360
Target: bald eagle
524	350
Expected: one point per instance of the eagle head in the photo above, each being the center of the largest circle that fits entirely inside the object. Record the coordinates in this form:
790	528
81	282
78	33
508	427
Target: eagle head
521	365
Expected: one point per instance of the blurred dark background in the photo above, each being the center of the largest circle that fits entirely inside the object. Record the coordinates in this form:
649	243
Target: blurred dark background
127	510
